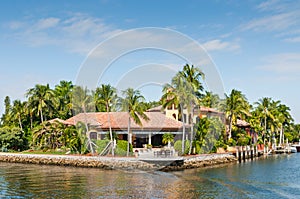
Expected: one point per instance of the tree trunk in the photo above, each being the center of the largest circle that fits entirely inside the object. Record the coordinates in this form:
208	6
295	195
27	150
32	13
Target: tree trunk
183	130
20	123
192	130
265	130
31	122
280	137
110	131
128	136
88	131
230	126
42	117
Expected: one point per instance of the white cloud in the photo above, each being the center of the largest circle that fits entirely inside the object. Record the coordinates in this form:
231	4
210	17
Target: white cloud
284	63
281	17
277	22
47	23
78	33
293	39
14	25
271	5
217	44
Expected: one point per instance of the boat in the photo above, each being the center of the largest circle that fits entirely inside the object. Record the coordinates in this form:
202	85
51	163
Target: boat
297	146
293	149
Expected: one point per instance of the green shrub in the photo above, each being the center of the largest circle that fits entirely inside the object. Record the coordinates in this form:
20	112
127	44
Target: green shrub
121	149
244	140
221	144
101	144
178	147
231	142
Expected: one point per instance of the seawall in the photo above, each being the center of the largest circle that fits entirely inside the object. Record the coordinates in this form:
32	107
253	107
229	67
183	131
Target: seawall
120	162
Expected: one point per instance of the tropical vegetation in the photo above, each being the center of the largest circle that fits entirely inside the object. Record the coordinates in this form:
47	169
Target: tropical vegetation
33	123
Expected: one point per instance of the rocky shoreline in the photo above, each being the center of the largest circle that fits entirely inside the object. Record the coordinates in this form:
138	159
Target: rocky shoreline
165	164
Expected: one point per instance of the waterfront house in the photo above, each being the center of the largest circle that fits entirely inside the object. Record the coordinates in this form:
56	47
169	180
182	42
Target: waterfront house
150	132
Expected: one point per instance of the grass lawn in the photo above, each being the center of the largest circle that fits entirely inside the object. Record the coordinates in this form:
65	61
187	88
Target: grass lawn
44	152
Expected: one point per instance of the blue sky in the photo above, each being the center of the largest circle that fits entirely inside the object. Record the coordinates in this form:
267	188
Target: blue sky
254	44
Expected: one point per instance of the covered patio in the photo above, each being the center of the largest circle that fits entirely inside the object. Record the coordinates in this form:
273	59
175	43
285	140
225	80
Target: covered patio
149	133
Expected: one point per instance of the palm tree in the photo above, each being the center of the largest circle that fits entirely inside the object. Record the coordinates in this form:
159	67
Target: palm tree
82	101
210	100
263	106
18	111
30	110
133	104
192	76
236	106
106	95
63	93
42	97
5	117
281	118
179	93
168	138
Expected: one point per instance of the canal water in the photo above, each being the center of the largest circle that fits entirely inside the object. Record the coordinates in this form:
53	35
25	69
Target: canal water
272	177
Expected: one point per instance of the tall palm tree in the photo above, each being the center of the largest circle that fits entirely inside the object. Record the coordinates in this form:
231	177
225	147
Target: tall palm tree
181	94
192	76
263	106
236	106
18	111
133	104
282	117
210	100
30	109
63	92
42	96
106	95
5	117
82	102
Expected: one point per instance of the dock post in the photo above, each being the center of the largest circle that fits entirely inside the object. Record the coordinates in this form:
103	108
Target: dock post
256	151
240	154
244	154
248	152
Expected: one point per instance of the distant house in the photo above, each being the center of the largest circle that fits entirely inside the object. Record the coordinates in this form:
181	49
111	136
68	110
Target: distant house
199	112
150	132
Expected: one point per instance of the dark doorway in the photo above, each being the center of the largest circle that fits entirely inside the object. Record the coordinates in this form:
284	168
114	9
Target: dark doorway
93	135
157	140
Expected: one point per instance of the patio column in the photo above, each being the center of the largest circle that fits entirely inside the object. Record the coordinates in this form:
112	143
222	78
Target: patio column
149	140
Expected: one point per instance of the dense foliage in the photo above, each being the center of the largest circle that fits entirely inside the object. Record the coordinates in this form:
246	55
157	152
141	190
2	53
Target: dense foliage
32	123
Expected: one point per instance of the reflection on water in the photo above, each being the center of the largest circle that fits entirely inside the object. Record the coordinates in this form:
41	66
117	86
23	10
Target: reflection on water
274	177
36	181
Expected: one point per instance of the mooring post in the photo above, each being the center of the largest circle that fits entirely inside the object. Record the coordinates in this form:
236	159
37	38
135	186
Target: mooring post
244	153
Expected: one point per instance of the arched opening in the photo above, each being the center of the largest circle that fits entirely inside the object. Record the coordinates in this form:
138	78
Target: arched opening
174	115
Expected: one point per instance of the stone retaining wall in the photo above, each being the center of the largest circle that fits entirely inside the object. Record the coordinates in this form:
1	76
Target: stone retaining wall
117	163
201	161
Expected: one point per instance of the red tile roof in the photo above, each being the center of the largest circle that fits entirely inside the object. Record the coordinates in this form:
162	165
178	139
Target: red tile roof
156	109
119	121
211	110
242	123
57	120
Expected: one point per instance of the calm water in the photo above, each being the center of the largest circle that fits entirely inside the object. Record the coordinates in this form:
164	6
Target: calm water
273	177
